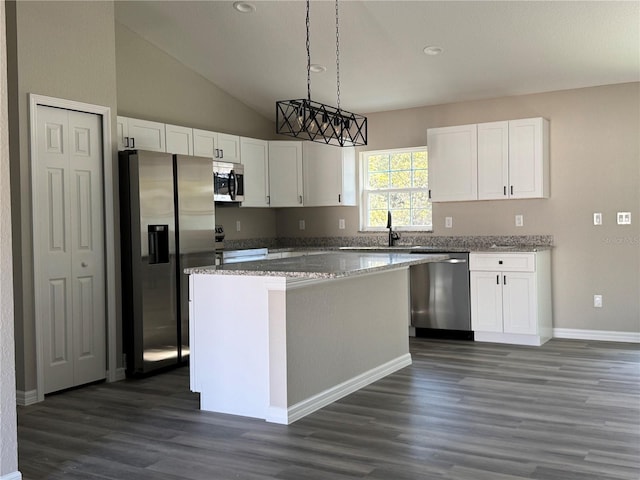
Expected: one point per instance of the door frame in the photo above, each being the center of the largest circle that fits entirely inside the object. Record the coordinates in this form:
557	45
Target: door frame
36	100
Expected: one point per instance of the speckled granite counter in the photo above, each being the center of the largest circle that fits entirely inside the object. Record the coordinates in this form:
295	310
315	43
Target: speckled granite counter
326	265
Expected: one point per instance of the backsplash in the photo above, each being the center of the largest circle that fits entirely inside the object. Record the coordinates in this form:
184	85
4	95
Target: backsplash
381	240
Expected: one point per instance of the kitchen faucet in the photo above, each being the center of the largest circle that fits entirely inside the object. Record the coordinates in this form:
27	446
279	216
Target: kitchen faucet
393	236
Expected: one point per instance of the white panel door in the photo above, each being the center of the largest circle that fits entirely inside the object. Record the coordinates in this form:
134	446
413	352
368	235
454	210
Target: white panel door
254	155
69	247
519	303
486	302
285	173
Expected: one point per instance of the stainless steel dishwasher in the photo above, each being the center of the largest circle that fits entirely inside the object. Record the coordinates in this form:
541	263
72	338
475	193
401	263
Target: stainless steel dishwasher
440	305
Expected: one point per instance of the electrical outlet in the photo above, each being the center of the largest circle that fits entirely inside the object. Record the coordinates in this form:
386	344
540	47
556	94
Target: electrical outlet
624	218
597	218
301	225
519	220
341	224
597	301
448	222
237	225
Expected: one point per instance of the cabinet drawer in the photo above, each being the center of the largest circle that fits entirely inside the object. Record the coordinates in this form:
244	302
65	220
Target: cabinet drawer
502	262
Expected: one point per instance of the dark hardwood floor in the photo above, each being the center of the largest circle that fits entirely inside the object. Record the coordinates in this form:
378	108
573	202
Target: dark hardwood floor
465	411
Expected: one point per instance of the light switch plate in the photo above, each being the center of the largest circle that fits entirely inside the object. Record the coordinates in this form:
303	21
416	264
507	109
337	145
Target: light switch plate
341	224
597	218
624	218
301	225
237	225
448	222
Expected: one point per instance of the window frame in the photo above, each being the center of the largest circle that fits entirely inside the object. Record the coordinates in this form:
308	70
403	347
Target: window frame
364	192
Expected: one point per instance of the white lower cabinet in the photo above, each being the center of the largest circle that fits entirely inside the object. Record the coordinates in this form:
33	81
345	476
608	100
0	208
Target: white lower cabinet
511	297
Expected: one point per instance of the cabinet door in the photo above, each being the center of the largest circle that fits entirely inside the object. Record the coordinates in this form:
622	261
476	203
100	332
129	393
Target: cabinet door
453	163
228	147
329	175
204	143
285	174
179	139
146	135
519	303
528	158
486	302
493	160
254	155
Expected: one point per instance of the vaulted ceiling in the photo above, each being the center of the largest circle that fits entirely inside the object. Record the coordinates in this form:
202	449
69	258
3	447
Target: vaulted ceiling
489	48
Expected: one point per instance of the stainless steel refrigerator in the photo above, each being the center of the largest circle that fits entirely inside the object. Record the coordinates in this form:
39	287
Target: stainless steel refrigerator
167	220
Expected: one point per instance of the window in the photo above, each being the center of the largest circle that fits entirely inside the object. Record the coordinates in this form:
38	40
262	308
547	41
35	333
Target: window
396	181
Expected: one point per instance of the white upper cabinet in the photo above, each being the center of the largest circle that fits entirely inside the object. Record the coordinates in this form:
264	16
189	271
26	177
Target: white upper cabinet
510	160
529	158
285	174
453	163
179	139
228	147
140	134
219	146
254	155
493	160
329	175
204	143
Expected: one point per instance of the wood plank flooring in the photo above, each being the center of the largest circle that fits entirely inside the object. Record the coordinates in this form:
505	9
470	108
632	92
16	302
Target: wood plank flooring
463	411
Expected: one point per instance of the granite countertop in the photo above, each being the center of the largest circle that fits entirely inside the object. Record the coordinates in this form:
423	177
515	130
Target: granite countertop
421	248
321	266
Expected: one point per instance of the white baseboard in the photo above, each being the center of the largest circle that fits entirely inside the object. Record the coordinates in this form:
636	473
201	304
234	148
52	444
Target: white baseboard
12	476
25	399
602	335
322	399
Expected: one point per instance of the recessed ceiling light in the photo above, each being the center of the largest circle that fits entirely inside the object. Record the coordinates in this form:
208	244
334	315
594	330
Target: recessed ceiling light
244	7
432	50
316	68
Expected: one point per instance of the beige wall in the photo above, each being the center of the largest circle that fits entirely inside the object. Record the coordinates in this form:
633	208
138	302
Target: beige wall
595	167
64	50
154	86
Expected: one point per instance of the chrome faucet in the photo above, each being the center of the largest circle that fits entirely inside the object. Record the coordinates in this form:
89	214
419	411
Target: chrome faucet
393	236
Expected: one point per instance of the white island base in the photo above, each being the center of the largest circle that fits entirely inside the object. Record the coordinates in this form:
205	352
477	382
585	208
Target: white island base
280	348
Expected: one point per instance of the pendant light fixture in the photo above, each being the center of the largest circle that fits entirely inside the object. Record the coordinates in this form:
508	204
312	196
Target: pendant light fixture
308	120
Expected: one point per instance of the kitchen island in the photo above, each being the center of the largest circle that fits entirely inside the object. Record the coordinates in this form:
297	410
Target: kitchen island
279	339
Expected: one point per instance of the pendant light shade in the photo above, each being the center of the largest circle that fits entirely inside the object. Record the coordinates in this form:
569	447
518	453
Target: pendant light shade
305	119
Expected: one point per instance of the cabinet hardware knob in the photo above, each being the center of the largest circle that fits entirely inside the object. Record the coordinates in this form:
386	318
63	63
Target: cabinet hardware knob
133	142
504	279
497	279
504	190
84	264
499	262
511	189
126	141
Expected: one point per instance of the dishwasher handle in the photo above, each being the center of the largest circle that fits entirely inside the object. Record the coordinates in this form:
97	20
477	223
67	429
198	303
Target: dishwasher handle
452	260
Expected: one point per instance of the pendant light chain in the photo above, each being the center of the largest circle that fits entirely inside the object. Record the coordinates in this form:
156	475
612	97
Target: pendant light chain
308	57
337	55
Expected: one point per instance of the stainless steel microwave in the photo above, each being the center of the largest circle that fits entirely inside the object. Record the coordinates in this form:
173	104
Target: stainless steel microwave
228	182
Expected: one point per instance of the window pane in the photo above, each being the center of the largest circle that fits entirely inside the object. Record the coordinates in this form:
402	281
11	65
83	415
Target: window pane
420	160
399	200
420	200
379	180
401	161
422	217
401	218
420	178
377	218
379	201
401	179
378	163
